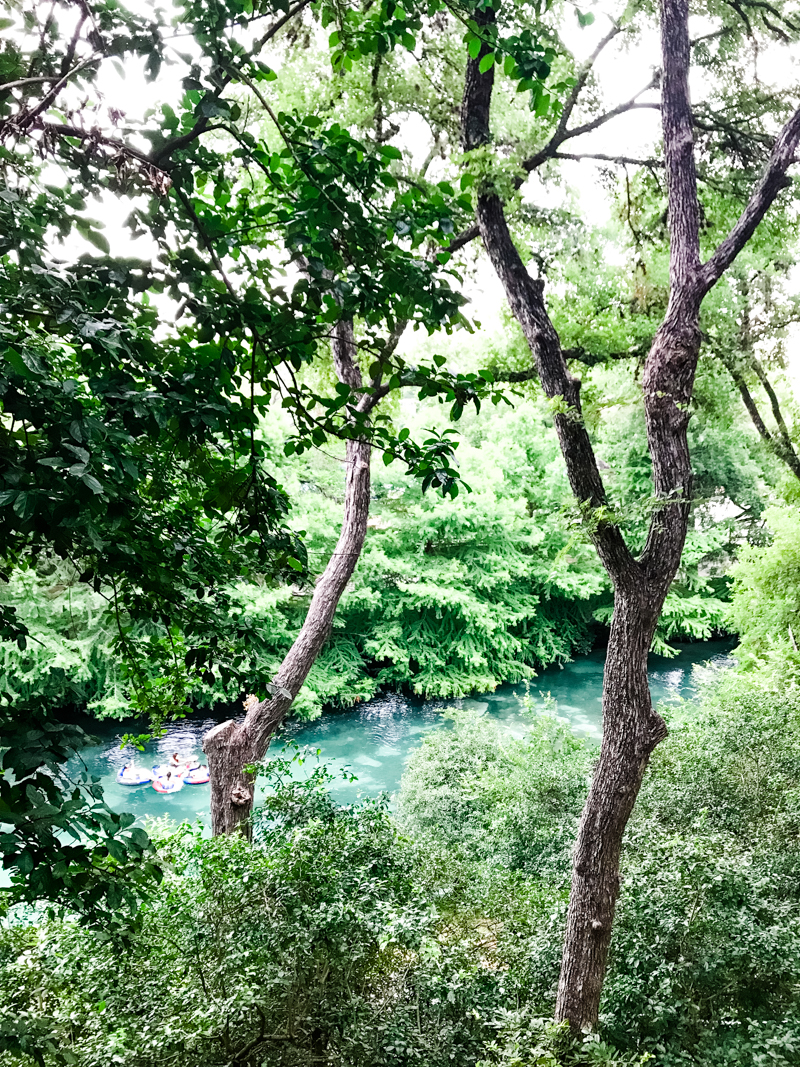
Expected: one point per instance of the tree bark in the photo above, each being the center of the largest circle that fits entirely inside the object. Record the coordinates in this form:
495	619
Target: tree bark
231	747
631	726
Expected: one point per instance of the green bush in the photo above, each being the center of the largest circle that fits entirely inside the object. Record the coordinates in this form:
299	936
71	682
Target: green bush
765	606
503	800
312	945
346	934
705	960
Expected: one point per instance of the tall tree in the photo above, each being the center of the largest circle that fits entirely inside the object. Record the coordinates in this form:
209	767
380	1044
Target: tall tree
631	726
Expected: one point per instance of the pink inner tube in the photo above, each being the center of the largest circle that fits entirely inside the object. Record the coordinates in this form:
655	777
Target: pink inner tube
162	786
199	776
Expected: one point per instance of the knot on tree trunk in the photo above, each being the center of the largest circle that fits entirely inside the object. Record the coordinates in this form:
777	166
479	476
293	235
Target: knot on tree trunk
240	796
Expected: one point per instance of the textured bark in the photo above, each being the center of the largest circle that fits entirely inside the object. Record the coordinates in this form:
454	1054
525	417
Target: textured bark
232	746
631	730
631	726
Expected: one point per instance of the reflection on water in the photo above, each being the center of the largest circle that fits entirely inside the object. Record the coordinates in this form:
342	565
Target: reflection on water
375	738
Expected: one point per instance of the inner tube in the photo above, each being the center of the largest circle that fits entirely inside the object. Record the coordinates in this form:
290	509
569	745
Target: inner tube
141	778
161	785
198	776
160	771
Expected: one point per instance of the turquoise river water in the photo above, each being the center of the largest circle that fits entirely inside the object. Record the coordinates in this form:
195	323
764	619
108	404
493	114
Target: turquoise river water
376	738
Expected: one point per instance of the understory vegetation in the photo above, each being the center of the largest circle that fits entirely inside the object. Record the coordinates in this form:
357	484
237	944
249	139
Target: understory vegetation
352	935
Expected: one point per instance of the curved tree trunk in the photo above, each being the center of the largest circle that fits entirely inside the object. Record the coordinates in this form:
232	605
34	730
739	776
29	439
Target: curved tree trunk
233	746
631	726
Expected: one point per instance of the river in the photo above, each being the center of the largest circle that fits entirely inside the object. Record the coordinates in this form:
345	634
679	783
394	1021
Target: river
375	738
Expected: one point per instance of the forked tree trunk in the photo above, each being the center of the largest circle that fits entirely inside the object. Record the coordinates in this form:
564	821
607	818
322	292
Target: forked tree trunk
631	726
232	747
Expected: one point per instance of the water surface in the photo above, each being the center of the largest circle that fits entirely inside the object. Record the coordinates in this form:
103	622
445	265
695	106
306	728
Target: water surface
376	738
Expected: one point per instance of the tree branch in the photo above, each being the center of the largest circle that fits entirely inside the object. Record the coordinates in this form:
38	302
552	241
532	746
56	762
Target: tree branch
600	156
784	448
772	182
62	130
560	136
61	78
747	398
290	14
525	297
583	75
464	238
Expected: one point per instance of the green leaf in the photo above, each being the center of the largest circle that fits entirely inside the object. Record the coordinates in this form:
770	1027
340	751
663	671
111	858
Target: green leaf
474	47
543	105
92	483
486	63
98	240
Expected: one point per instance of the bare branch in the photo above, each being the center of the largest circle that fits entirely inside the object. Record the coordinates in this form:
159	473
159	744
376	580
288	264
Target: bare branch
559	138
749	403
464	238
94	135
783	447
601	157
22	82
290	14
583	75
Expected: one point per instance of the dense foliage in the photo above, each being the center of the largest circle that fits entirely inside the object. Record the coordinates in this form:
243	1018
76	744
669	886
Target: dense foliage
340	934
171	485
449	596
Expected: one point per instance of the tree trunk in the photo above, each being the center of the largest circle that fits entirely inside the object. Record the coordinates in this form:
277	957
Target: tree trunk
232	747
631	727
631	730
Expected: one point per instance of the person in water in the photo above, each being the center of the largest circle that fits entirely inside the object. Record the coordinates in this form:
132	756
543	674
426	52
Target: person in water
174	761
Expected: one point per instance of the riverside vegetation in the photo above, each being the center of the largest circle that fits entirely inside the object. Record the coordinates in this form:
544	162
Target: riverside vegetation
194	506
450	597
355	935
350	935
